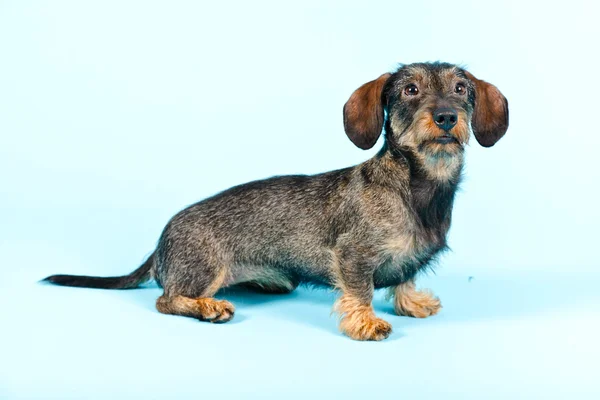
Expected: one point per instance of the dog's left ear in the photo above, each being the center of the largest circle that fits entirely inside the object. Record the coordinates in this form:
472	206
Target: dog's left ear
363	113
490	116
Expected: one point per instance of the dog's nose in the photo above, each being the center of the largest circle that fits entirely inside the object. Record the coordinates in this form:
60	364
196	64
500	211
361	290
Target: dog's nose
445	118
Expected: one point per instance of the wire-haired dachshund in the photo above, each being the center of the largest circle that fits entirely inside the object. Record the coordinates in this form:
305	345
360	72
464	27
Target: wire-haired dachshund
370	226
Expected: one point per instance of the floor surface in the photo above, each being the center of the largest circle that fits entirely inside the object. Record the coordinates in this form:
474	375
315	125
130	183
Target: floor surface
520	336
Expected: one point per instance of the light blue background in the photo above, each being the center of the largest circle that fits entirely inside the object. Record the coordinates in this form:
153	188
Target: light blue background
116	114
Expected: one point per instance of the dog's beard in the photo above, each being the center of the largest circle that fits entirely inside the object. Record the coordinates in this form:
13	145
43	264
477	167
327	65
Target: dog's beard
441	161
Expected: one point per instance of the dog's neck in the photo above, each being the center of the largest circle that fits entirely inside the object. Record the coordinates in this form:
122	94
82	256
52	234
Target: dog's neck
432	185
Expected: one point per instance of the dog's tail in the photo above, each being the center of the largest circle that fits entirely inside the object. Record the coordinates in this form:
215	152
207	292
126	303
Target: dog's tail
131	281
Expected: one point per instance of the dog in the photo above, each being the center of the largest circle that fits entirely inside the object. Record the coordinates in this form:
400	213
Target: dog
357	229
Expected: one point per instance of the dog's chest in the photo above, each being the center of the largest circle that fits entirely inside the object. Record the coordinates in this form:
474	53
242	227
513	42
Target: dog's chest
402	262
411	229
404	254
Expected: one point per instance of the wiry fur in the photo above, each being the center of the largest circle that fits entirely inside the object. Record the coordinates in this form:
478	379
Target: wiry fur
411	302
357	229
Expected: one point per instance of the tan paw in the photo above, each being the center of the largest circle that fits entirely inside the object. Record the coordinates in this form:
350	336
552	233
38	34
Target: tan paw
365	326
415	303
217	311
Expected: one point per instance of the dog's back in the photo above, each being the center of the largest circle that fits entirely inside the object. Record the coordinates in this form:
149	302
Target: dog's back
281	223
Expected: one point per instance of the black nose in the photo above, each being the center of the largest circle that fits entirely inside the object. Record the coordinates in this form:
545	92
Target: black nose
445	118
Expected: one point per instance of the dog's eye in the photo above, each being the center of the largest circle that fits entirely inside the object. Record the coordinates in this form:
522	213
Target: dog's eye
460	88
411	90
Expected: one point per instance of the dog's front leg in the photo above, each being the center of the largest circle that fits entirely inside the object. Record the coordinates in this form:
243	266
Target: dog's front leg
411	302
354	277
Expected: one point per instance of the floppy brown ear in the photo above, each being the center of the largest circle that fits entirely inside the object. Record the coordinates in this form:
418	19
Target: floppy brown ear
363	113
490	116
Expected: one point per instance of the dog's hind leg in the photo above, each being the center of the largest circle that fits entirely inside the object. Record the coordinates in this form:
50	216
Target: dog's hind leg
190	287
203	308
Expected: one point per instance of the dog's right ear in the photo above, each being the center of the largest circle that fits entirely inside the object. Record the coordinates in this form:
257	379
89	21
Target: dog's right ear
363	113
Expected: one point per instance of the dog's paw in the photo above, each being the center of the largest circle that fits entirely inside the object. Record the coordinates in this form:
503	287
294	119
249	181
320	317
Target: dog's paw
416	303
365	326
216	311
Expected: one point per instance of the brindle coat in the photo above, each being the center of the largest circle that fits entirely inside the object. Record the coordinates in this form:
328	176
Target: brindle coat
374	225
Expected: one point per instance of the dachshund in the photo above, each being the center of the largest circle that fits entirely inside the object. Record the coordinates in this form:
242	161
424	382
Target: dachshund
374	225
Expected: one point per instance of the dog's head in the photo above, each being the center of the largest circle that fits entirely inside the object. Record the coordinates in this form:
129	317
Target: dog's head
431	108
